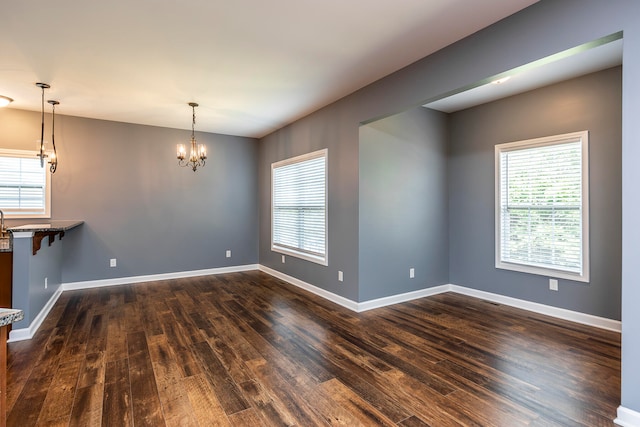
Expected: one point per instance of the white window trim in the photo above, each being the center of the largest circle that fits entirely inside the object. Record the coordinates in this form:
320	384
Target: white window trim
292	252
583	137
5	152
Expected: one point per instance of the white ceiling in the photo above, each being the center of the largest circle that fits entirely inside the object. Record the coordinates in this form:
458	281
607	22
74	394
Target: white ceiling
252	65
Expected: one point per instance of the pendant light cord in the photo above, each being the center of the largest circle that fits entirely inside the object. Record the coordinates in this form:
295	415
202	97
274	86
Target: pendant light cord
42	132
54	163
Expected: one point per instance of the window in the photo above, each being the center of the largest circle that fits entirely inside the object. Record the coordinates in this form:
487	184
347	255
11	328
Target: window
299	207
25	186
542	221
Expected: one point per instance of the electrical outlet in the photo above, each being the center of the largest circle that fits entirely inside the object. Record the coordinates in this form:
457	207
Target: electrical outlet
113	262
283	259
553	284
46	282
228	253
412	273
340	276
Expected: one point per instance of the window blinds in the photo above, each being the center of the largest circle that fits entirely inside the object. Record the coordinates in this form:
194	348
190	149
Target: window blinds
22	186
541	206
299	205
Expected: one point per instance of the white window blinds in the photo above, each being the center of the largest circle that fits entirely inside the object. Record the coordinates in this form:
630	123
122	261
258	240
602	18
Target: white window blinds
541	206
24	185
299	211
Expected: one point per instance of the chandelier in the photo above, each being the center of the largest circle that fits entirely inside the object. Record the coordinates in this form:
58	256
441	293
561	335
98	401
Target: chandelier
52	156
198	153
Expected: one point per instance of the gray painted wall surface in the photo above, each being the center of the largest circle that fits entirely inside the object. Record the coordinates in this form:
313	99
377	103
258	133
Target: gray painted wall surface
30	271
403	203
138	205
592	103
630	205
321	130
541	30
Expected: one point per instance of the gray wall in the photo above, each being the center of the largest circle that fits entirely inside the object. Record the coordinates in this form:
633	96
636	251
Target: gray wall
323	129
138	205
543	29
31	271
403	203
592	103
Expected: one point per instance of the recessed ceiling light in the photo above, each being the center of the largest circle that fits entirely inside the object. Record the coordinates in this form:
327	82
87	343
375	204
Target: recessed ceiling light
5	100
500	81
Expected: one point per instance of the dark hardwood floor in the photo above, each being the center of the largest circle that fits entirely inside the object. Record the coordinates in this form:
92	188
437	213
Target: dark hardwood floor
246	349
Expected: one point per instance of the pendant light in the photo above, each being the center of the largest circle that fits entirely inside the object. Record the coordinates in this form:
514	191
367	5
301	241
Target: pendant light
53	157
198	152
42	154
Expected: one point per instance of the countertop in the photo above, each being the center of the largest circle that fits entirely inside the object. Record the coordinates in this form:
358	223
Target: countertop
6	242
10	315
55	225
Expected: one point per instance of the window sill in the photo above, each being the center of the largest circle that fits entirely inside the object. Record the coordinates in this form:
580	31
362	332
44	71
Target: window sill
301	255
542	271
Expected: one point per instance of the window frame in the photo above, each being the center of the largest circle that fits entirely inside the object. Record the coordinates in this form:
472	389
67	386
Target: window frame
583	138
24	214
286	250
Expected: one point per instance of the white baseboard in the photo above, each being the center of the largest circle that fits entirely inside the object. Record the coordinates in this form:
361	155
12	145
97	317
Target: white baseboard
587	319
350	304
340	300
155	277
627	417
561	313
28	333
396	299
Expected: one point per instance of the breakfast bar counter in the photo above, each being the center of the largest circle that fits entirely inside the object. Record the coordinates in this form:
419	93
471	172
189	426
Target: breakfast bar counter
39	231
38	253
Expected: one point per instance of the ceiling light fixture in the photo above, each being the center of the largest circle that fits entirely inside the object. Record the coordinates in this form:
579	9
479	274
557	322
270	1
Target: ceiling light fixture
42	154
5	100
500	81
53	156
198	153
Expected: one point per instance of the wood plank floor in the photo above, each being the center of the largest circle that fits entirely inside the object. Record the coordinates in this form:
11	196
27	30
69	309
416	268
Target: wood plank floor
246	349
